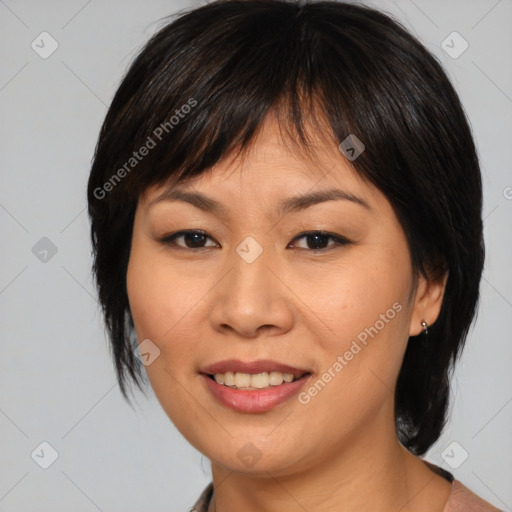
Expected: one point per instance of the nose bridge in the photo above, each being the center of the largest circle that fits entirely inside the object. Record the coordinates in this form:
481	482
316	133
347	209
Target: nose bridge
250	260
251	296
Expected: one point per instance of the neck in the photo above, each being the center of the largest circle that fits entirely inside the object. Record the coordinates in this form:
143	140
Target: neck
372	471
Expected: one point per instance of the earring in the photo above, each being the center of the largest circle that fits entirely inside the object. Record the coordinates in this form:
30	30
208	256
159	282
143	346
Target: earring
425	327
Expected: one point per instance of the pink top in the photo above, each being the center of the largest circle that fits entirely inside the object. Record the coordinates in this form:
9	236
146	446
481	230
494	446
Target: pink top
461	499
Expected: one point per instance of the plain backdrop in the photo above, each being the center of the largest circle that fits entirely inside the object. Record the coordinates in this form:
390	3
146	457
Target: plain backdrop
57	383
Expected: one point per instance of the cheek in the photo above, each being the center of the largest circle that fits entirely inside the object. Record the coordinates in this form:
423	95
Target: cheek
168	304
155	305
147	302
366	296
363	312
159	312
160	295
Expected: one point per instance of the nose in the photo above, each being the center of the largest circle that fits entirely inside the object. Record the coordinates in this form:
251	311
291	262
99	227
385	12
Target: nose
252	298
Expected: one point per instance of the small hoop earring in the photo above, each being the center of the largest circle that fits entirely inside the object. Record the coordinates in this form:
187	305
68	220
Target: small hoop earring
425	327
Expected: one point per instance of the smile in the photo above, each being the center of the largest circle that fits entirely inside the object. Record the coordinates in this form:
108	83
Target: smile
253	387
253	381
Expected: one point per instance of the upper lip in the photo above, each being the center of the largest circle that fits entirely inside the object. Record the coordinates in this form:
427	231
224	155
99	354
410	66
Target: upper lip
259	366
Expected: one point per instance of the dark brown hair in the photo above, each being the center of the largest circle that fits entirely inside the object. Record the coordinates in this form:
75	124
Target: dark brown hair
204	84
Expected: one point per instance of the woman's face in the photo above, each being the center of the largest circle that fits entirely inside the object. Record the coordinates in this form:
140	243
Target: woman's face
250	287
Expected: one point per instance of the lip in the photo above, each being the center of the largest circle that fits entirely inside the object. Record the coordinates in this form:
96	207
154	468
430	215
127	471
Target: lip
256	400
260	366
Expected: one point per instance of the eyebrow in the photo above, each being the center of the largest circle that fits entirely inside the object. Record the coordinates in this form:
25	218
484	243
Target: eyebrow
291	204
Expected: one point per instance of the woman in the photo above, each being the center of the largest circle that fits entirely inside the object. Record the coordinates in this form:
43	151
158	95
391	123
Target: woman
285	204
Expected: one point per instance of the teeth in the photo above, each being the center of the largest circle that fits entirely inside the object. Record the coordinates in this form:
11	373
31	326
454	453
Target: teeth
259	381
275	378
253	381
242	380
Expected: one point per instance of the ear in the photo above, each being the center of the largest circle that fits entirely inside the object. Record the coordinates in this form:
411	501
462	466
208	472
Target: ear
427	303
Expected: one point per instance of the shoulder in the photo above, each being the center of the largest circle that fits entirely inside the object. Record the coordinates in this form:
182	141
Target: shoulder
462	499
201	505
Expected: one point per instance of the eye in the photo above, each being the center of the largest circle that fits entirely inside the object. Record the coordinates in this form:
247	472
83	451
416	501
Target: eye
319	240
193	239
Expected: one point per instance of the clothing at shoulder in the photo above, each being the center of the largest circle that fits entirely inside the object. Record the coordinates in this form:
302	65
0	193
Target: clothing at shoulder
461	499
201	505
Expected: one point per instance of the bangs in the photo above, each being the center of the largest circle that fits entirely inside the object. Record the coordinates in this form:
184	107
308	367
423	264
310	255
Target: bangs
189	109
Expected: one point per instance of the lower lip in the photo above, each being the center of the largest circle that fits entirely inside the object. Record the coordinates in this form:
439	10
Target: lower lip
257	400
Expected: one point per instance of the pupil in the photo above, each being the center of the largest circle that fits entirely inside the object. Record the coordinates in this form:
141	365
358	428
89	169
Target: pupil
195	238
316	237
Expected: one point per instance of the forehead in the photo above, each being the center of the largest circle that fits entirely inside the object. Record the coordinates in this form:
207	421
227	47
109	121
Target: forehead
275	164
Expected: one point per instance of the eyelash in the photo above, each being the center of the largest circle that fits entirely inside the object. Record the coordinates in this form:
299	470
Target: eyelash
339	240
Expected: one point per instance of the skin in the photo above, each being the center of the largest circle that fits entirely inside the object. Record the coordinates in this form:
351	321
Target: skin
339	452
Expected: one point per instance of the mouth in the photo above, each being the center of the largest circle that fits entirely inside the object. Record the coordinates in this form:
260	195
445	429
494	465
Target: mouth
254	381
253	387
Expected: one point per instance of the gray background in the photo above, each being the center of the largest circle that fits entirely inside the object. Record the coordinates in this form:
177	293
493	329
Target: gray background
57	382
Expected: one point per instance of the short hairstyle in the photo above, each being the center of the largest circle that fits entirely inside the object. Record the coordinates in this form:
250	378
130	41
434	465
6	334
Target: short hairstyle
201	88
